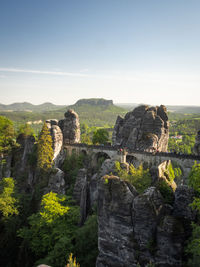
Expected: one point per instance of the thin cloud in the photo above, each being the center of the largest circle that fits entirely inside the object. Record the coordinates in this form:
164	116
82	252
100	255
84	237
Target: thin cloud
59	73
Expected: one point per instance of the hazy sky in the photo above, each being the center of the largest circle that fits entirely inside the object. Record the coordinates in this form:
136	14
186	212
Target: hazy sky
139	51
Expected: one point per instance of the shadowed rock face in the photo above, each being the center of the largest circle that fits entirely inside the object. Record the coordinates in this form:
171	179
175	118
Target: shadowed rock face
70	127
144	128
197	144
139	229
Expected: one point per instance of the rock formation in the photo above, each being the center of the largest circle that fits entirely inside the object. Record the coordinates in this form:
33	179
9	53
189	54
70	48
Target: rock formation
56	182
197	144
70	127
140	229
57	138
145	128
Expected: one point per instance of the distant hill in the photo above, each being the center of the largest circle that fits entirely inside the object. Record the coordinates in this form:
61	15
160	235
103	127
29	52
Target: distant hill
25	106
94	112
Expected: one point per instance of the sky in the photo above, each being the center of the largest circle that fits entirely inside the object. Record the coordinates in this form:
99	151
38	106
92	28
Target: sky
130	51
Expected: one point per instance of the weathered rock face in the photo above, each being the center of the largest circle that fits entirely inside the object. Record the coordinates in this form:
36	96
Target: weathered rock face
56	182
144	128
115	233
57	138
70	127
139	229
197	144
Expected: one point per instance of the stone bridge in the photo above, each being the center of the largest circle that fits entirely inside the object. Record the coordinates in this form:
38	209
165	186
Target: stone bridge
185	162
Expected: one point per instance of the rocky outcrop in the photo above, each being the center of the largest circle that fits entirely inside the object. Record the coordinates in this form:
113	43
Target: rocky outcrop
56	182
81	180
197	144
70	127
183	198
141	229
145	128
94	102
115	233
57	138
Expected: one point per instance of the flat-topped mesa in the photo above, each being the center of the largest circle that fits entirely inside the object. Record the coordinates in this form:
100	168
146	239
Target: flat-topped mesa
145	129
197	144
70	127
94	102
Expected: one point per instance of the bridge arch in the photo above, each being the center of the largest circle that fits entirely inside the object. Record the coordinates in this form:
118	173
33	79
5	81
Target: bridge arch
99	157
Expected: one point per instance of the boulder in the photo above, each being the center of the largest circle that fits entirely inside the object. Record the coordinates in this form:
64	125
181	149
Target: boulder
70	127
145	128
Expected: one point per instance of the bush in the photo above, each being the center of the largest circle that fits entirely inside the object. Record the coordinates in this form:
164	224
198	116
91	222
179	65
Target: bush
166	191
138	177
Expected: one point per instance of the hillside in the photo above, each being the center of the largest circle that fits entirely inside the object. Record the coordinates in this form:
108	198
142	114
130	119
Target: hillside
25	106
94	112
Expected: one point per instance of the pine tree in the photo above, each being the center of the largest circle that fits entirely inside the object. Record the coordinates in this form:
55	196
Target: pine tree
45	150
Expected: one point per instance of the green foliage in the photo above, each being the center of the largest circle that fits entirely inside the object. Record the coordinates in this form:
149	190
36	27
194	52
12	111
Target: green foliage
72	262
194	177
51	207
138	177
6	135
169	173
86	247
51	230
44	149
193	246
8	202
184	146
25	129
166	191
71	166
100	136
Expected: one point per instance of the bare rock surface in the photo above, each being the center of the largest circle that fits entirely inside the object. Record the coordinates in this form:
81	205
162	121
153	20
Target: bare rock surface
139	229
145	128
115	242
57	138
56	182
70	127
197	144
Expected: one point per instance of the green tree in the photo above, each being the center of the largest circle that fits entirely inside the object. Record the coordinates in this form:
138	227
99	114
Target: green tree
44	149
193	246
25	129
51	230
100	136
6	134
86	247
8	202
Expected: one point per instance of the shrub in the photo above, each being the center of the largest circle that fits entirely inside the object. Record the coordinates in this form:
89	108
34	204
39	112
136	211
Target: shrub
138	177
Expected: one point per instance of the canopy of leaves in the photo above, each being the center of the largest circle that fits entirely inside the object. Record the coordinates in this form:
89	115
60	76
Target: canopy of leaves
100	136
8	202
6	134
44	149
51	230
193	246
